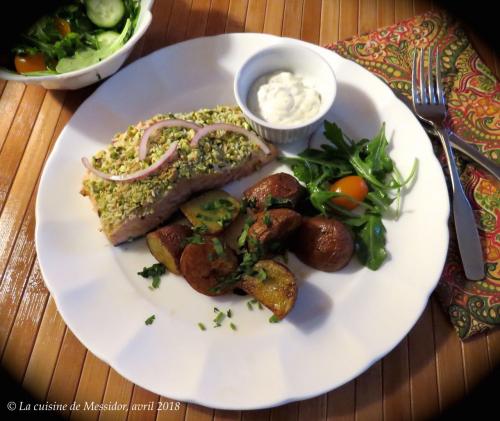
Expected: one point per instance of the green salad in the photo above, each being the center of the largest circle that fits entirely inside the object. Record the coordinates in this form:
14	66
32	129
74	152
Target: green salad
77	34
355	182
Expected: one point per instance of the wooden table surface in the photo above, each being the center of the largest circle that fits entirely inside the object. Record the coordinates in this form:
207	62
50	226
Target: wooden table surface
429	370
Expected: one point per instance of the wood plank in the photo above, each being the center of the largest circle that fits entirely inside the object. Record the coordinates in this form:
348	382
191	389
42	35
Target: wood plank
25	328
310	21
403	9
273	22
217	17
198	18
170	410
313	409
91	387
236	16
476	361
222	415
386	10
449	363
292	18
178	21
289	412
367	16
157	31
422	363
9	102
348	23
45	351
493	343
342	403
18	251
118	393
421	6
257	415
17	139
329	27
198	413
143	405
256	13
396	379
67	371
369	394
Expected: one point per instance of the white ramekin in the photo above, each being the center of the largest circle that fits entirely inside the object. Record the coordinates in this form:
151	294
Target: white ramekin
299	59
91	74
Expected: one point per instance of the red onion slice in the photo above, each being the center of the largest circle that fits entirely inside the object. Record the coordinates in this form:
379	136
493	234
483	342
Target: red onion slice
169	155
252	137
143	145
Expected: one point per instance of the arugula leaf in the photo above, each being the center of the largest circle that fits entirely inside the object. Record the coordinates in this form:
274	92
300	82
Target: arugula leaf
370	242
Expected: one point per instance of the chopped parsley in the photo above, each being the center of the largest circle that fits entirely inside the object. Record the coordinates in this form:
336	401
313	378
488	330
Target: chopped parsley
279	202
202	326
232	326
150	320
229	313
274	319
153	271
267	219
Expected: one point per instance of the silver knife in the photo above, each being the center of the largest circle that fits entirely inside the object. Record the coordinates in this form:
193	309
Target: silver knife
458	143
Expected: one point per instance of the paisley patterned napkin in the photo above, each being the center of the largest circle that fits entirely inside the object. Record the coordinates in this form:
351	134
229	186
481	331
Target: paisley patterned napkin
473	96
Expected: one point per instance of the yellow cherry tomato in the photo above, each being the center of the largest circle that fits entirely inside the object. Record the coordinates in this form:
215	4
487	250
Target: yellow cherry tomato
62	26
353	186
33	63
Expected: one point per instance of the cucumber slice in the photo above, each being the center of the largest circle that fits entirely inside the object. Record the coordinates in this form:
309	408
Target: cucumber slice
105	13
87	57
107	38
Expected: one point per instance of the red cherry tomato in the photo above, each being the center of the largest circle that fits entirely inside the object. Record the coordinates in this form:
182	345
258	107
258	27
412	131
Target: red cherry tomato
353	186
33	63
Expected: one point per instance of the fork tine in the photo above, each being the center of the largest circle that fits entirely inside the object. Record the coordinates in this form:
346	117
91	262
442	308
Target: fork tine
439	83
430	80
414	87
423	89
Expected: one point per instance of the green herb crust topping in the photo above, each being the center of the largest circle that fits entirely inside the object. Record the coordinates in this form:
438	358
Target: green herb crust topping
117	202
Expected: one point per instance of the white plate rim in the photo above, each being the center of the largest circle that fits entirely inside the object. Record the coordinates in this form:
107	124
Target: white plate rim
199	400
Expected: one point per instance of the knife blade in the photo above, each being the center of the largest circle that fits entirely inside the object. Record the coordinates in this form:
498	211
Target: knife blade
457	142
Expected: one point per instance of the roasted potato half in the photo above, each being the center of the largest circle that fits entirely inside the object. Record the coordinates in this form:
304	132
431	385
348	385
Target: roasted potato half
215	209
167	243
273	226
323	243
205	265
277	190
276	289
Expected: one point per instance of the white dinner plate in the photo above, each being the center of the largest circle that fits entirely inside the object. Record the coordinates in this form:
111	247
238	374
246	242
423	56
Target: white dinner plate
342	322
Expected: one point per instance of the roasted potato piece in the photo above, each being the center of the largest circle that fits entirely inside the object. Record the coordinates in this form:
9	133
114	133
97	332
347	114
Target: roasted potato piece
216	209
272	226
205	265
277	291
323	243
167	243
277	190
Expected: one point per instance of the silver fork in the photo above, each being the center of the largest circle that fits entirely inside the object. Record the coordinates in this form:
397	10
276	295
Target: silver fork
430	105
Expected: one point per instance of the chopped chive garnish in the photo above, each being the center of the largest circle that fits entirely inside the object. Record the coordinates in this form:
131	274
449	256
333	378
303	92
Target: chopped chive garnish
261	307
216	310
232	325
229	313
261	274
249	305
202	326
267	219
219	318
274	319
150	320
218	246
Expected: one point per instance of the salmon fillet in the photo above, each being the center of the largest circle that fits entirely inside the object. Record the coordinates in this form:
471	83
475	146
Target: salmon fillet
130	210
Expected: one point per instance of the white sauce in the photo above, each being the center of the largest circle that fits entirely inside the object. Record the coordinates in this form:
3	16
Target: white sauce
284	98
